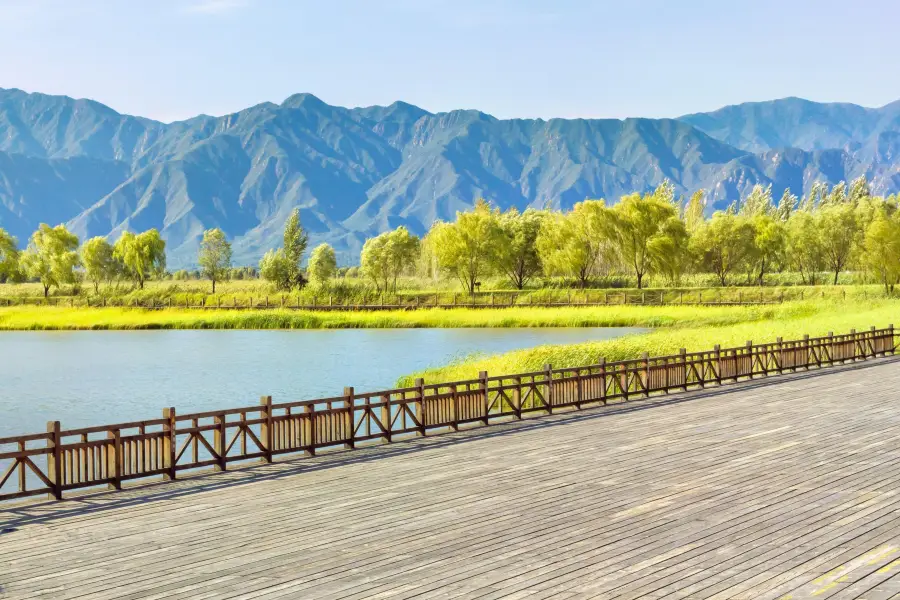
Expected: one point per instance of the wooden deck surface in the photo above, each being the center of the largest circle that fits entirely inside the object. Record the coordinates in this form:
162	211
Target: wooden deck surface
787	487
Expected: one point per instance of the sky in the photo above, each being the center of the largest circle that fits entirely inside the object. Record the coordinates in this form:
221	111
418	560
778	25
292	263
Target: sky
175	59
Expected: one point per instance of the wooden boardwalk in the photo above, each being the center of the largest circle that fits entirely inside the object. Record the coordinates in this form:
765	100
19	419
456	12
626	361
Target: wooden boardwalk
787	487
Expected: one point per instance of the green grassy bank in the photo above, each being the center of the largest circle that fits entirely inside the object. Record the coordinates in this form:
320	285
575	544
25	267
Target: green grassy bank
64	318
790	321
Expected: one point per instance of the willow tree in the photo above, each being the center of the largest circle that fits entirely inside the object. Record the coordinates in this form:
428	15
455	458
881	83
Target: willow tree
142	255
467	248
322	265
723	244
804	250
9	256
516	255
837	224
635	223
385	256
215	256
282	266
575	243
51	256
98	261
882	250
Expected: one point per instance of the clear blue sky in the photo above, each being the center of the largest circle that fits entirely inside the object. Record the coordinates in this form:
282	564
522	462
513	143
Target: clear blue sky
173	59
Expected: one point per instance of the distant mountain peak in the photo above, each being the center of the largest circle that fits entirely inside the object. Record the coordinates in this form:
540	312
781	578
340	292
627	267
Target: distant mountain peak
304	100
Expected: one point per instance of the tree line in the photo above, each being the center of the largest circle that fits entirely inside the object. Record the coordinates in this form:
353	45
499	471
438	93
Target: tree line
646	235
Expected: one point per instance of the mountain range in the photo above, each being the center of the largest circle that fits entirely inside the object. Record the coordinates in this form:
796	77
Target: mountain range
355	172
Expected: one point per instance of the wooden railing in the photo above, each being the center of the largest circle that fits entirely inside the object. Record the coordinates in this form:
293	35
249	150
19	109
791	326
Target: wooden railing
59	460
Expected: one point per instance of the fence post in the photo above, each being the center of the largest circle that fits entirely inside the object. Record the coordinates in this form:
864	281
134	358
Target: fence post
717	352
517	397
310	411
548	373
420	407
603	380
683	353
891	334
114	460
483	387
646	358
220	440
806	351
778	362
348	420
750	354
265	428
455	400
169	442
54	460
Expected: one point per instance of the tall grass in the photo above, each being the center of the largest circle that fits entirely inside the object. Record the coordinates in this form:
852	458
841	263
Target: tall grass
787	321
64	318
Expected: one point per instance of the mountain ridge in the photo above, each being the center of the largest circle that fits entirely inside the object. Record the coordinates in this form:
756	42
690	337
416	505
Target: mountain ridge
355	172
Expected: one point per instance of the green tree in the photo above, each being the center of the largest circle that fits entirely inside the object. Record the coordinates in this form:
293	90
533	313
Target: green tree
670	250
9	256
142	255
282	266
769	245
804	246
98	261
838	227
723	244
882	250
51	256
577	242
859	190
693	212
322	265
387	255
517	256
758	201
786	206
636	221
817	195
467	248
215	256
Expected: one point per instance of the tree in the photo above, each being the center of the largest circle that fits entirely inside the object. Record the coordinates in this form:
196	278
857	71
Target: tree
51	256
322	265
804	246
9	256
575	242
282	266
693	213
670	251
882	250
817	193
215	256
636	221
758	201
142	255
838	227
769	244
467	248
517	255
98	261
859	190
723	244
387	255
786	206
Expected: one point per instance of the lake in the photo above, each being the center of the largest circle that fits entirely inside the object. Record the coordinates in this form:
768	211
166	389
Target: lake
99	377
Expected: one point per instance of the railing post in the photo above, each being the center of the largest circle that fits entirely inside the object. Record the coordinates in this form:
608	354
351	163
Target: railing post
646	358
169	442
114	459
54	460
266	431
806	351
778	360
517	397
548	373
717	352
892	346
348	418
386	417
420	407
219	441
454	398
485	401
750	354
684	366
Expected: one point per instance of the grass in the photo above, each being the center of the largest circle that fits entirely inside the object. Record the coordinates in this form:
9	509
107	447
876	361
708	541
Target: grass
789	321
64	318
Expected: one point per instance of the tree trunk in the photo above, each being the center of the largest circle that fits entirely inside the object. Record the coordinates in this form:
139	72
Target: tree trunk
46	291
141	283
640	277
214	286
836	273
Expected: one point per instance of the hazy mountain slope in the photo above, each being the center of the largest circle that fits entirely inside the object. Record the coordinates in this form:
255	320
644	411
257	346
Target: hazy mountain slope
357	172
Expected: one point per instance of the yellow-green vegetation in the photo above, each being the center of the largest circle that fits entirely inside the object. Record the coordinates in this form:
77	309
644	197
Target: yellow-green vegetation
789	321
49	317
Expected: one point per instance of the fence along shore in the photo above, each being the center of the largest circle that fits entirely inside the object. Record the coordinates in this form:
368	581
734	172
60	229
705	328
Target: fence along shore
60	460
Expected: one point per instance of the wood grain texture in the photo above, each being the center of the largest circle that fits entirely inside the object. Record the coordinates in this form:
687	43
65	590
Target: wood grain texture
779	488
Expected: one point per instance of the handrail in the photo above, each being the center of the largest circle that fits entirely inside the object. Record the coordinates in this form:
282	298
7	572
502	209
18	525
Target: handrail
53	462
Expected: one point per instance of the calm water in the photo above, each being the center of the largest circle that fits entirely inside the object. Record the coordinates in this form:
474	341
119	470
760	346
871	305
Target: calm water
93	378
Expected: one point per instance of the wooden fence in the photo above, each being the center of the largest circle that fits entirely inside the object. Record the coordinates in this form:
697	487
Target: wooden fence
59	460
415	301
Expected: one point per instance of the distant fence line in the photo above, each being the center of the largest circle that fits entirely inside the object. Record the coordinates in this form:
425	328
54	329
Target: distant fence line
411	302
60	460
